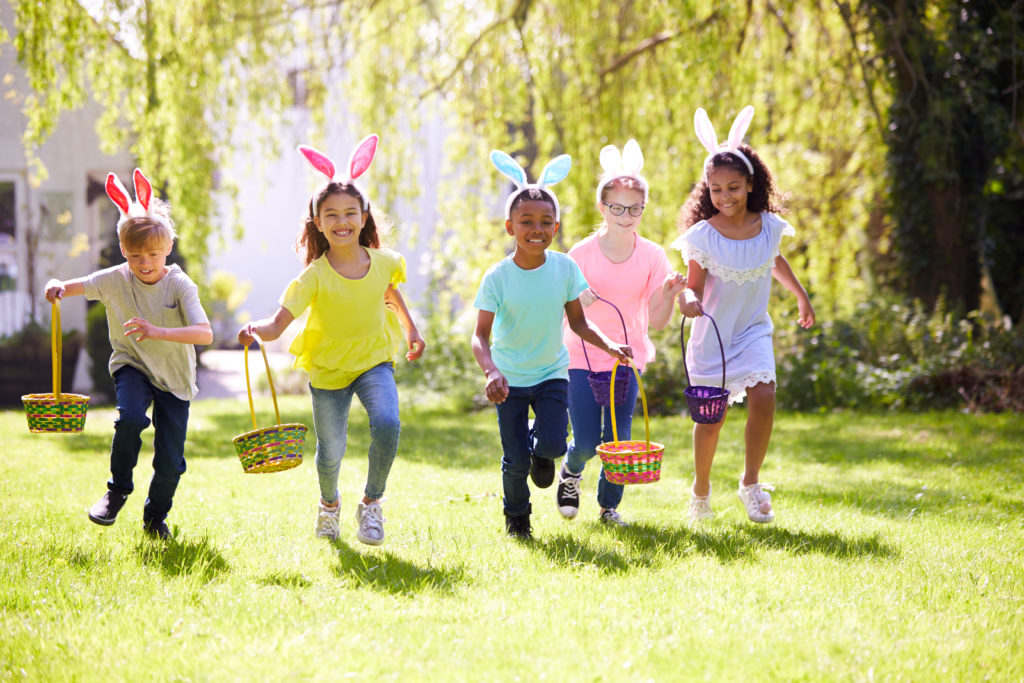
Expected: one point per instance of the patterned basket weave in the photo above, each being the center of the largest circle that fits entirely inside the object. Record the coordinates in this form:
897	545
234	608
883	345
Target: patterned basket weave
55	413
706	404
270	449
631	462
601	381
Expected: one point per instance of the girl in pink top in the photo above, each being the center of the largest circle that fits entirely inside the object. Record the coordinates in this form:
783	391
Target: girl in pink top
634	274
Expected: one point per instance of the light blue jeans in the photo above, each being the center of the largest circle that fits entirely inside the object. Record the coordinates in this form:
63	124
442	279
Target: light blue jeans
377	392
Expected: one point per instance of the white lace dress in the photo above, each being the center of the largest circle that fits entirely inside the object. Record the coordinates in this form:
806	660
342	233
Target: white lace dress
736	289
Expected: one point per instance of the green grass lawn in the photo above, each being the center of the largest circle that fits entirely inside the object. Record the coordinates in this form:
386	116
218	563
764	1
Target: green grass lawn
895	555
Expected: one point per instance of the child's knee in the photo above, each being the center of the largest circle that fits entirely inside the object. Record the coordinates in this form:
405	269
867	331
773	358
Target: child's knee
131	419
548	447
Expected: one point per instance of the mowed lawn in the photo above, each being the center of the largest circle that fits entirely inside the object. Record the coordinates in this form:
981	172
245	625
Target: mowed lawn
896	555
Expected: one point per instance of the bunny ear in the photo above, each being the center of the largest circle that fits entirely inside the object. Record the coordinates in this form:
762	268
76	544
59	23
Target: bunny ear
556	170
117	193
632	158
321	162
362	156
143	189
739	127
705	131
611	160
509	167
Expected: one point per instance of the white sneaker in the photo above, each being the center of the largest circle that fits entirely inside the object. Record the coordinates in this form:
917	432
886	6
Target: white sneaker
700	507
371	523
612	517
327	521
758	501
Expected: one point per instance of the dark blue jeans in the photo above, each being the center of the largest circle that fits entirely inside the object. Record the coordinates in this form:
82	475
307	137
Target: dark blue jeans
588	433
550	404
135	393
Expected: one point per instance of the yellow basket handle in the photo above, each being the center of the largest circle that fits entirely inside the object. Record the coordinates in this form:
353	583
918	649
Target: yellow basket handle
55	348
270	378
643	399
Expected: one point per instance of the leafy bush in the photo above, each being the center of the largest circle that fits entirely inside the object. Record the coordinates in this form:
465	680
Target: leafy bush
99	350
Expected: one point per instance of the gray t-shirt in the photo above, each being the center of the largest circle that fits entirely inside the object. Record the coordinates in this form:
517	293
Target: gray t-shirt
171	302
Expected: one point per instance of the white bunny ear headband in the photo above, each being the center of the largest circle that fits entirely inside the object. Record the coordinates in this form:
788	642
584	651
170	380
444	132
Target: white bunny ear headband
555	171
144	205
626	164
707	137
358	162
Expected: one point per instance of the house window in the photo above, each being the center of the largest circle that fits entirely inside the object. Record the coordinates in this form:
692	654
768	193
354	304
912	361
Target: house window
8	224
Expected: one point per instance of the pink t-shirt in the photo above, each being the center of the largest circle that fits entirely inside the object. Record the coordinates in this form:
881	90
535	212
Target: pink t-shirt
629	285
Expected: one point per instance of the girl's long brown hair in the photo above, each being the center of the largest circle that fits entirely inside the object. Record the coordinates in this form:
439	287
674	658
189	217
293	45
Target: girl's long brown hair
312	244
763	195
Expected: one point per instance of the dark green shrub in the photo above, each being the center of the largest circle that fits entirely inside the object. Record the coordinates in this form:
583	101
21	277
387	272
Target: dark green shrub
99	350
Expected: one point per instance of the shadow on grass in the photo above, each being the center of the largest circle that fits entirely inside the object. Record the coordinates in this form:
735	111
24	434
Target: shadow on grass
183	558
743	541
286	580
388	573
568	551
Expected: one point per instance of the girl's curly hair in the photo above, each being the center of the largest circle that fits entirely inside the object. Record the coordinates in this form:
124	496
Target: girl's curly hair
763	195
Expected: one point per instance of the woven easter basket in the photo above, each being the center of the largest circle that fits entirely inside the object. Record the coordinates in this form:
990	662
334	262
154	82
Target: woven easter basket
601	380
55	413
706	404
270	449
631	462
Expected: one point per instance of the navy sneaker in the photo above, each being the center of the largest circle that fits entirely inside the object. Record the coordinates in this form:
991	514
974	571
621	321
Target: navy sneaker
158	530
104	512
518	526
542	471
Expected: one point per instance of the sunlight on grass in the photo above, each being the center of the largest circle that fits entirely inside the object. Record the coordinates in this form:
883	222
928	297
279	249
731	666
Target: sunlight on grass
894	555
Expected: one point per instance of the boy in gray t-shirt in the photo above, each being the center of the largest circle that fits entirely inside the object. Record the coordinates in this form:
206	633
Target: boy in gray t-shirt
154	317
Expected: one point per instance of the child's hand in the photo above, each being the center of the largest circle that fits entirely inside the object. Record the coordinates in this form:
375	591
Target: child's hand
416	345
689	305
587	297
806	319
674	284
54	290
496	389
246	335
141	327
621	351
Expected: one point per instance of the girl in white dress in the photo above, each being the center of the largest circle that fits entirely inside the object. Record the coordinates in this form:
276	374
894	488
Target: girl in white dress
732	252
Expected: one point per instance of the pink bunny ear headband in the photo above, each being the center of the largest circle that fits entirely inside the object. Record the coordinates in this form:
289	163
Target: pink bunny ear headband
555	171
626	164
143	207
358	162
707	137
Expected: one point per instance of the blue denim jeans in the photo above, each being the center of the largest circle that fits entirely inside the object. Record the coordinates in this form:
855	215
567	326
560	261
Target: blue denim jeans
549	401
134	394
588	432
377	392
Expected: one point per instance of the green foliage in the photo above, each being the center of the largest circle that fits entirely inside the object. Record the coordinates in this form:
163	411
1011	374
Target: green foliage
98	347
221	299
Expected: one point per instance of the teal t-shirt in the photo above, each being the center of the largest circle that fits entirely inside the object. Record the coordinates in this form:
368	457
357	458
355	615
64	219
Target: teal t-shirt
528	307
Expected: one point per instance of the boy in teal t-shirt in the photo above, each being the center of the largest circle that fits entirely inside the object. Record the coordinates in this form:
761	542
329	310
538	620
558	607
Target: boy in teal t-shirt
522	300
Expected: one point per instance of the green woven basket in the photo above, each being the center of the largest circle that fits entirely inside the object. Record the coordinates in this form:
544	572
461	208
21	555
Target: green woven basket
55	413
270	449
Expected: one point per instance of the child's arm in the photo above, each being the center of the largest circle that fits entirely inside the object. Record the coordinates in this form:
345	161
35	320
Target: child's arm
689	301
660	306
496	388
268	329
784	274
412	335
579	324
55	289
199	333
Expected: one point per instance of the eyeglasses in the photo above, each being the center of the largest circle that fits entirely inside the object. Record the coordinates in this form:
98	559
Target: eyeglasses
619	209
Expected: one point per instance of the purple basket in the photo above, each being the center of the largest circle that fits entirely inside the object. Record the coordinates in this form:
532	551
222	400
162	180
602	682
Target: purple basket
601	381
706	404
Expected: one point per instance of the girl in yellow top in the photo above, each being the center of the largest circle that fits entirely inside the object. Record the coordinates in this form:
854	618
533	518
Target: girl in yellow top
350	286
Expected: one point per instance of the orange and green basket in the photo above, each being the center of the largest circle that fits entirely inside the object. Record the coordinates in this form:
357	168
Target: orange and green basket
55	413
270	449
631	462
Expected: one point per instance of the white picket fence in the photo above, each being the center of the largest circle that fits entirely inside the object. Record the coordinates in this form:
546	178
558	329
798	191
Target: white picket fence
14	312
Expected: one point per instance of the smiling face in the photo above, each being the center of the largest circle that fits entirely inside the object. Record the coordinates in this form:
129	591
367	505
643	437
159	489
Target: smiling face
149	261
729	189
341	219
626	198
533	226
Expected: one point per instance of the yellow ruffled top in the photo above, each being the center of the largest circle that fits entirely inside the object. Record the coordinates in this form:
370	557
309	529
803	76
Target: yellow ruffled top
349	329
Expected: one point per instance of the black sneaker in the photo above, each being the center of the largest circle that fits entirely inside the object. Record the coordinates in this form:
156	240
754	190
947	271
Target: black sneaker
542	471
104	512
568	493
518	526
158	530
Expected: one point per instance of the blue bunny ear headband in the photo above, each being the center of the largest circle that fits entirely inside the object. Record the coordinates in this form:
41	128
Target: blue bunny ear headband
555	171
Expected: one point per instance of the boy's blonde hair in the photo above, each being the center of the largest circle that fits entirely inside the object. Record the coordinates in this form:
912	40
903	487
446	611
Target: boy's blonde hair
140	233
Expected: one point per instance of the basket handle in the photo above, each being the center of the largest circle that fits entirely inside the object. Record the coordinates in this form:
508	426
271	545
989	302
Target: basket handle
682	342
643	399
56	343
625	333
270	378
